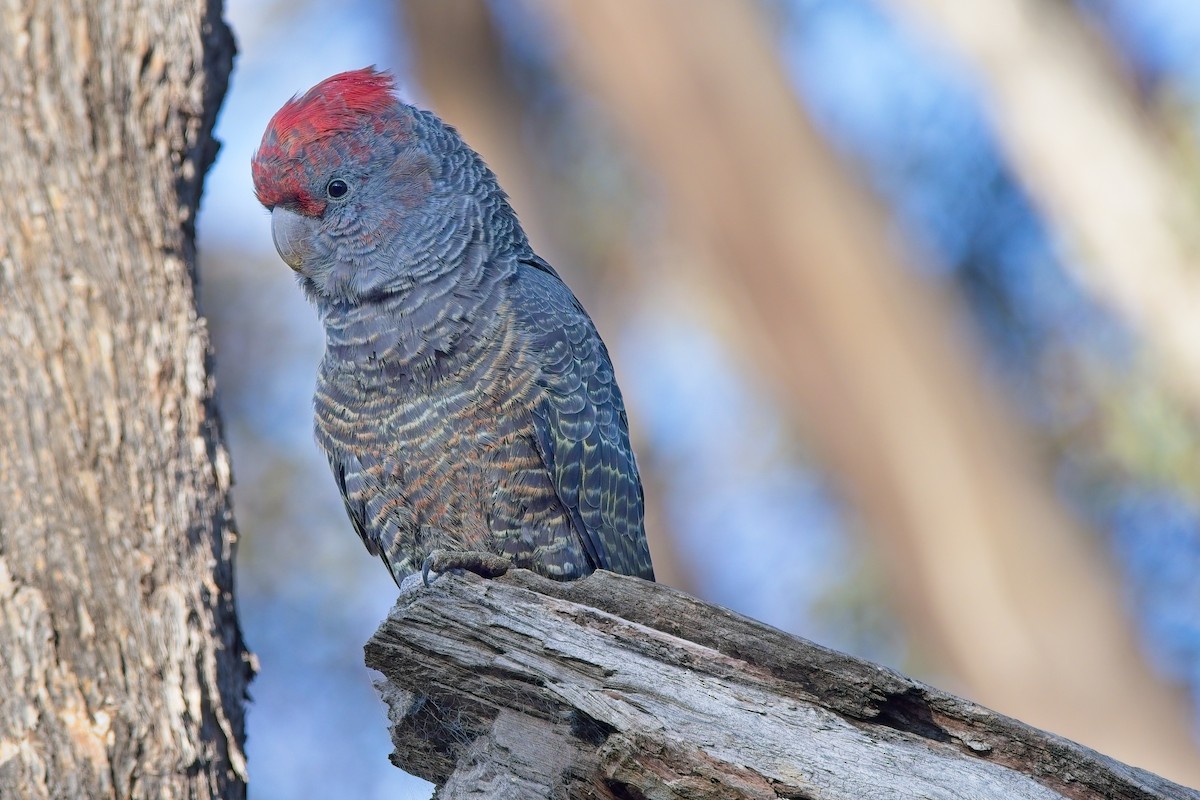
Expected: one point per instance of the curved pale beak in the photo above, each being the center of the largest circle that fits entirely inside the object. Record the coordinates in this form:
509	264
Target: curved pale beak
292	233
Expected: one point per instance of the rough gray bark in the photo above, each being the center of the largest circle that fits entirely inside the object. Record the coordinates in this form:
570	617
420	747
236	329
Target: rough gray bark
122	668
612	687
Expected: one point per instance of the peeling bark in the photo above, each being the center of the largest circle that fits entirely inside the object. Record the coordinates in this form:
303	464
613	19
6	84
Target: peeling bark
611	687
122	667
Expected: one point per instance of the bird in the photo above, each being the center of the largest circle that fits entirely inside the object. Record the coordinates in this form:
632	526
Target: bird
465	401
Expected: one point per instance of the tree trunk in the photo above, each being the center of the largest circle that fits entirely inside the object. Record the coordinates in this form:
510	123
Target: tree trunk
122	667
612	687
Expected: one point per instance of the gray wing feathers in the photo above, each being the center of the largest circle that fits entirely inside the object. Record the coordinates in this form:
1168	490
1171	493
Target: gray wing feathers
581	427
348	474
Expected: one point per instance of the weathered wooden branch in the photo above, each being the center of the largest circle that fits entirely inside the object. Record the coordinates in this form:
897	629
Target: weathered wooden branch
612	687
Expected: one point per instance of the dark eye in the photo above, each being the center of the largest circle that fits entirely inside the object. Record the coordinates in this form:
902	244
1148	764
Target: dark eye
337	189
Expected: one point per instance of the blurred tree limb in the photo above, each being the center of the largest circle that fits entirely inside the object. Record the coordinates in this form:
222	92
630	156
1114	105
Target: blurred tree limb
614	688
1001	582
1091	160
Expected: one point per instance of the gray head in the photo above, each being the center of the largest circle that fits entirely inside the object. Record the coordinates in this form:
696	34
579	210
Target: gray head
370	197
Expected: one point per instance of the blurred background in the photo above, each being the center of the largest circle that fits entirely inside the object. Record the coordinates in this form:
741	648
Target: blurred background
903	298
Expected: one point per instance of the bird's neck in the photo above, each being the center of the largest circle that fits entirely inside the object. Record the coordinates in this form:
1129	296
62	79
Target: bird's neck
421	332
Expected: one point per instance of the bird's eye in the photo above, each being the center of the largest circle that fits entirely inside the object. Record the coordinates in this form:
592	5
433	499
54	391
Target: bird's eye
337	189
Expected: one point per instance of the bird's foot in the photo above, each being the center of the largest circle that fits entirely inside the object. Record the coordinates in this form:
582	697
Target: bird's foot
485	565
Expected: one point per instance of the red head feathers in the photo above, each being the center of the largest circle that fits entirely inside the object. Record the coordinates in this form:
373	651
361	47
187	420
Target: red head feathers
335	105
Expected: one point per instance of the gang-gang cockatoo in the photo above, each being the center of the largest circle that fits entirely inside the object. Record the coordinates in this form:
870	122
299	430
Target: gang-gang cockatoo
465	401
